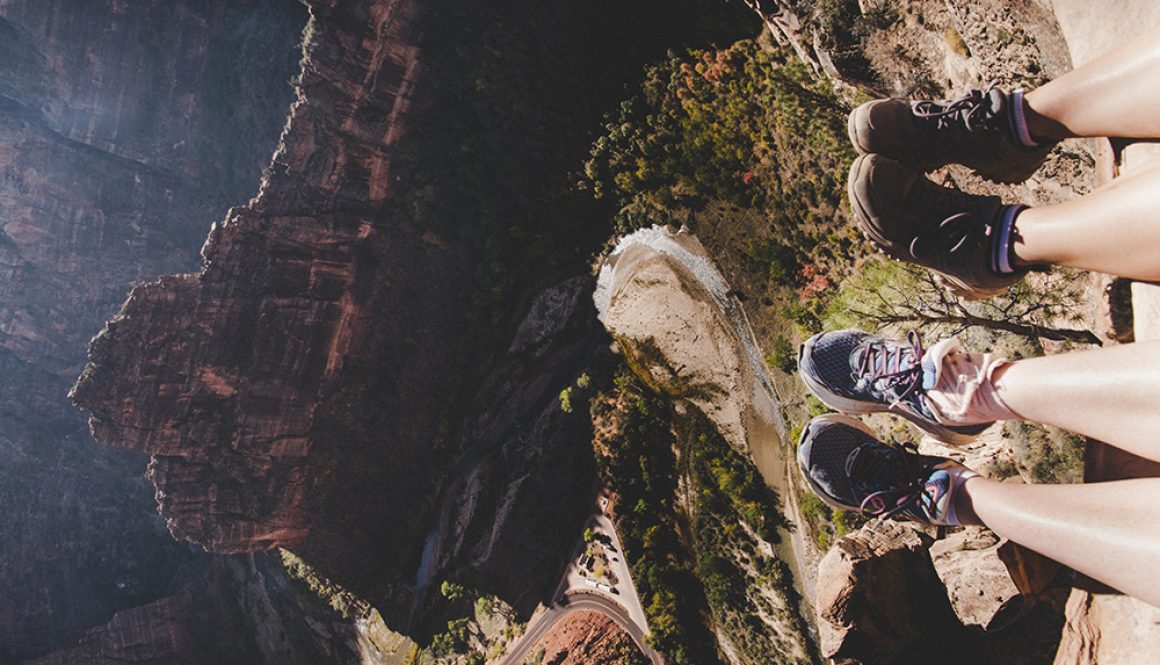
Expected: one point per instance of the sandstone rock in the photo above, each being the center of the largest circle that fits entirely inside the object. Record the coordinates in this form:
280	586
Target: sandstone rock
124	133
1109	629
242	611
219	375
880	599
528	493
587	638
976	578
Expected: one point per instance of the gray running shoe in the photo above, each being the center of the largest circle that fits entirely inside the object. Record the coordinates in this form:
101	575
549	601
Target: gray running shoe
847	467
943	229
856	372
976	130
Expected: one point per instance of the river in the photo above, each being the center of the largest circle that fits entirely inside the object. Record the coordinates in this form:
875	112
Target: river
640	260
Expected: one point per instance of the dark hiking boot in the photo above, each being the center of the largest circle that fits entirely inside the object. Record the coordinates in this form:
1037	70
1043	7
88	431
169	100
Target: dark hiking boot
913	219
976	130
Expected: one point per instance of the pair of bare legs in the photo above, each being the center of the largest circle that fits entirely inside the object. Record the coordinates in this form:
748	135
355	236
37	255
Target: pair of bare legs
1109	531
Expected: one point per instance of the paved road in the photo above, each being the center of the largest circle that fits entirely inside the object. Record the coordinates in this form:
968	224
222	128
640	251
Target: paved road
572	594
575	602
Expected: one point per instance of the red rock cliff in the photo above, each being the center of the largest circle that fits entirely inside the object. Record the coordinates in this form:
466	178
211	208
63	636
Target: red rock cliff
117	152
219	375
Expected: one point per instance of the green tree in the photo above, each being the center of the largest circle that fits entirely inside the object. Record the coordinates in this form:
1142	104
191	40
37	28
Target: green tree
483	607
452	591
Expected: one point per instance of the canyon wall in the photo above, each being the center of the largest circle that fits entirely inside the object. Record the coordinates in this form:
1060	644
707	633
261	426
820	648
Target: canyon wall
219	374
126	128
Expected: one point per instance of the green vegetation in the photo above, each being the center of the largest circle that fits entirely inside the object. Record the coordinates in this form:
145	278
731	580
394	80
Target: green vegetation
735	516
477	627
635	457
700	550
1047	454
890	293
747	128
348	605
566	400
746	147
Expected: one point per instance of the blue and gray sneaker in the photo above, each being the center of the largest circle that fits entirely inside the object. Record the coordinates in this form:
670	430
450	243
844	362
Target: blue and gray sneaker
847	467
856	372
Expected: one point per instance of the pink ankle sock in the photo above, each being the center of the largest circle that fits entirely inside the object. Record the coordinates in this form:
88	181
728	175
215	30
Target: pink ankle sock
963	392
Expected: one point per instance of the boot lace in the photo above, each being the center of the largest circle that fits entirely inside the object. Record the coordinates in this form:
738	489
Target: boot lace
882	366
972	111
950	236
889	475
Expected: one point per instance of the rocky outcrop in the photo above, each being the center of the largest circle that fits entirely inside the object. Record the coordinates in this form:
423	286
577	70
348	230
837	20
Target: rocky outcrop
588	638
978	583
880	599
526	488
242	610
1109	629
219	375
125	128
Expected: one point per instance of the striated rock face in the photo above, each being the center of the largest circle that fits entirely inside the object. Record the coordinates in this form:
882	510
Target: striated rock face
125	130
125	127
527	486
1109	629
190	627
219	375
241	611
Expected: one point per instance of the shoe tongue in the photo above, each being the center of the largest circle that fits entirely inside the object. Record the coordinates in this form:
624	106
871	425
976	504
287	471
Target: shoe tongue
929	371
996	101
874	468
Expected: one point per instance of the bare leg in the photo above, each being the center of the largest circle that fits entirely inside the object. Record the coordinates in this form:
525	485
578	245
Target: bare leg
1115	95
1114	230
1111	394
1103	530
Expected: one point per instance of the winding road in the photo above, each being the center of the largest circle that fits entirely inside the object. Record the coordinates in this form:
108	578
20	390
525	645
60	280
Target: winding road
572	595
575	602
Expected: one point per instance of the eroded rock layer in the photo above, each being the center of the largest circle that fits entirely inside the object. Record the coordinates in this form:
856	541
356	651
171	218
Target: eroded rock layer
589	638
125	127
219	375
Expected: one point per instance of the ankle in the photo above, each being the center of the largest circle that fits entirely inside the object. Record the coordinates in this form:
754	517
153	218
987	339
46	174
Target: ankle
1004	259
1040	127
963	390
964	506
1018	115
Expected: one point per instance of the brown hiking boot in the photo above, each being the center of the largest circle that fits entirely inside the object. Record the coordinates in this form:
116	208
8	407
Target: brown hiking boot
943	229
975	130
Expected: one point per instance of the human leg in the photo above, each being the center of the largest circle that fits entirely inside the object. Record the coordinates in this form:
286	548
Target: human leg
980	246
1116	94
1106	531
1111	394
1103	530
1113	230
